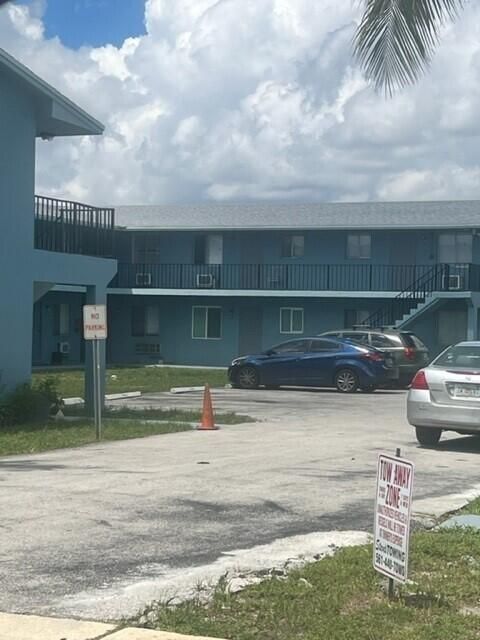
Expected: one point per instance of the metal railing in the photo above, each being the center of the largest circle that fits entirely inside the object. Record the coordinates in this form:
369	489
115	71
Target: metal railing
300	277
439	277
73	227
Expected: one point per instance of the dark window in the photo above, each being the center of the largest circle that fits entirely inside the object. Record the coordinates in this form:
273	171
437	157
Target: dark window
459	356
356	336
200	251
145	320
61	319
382	342
294	346
138	321
323	345
293	246
411	340
359	246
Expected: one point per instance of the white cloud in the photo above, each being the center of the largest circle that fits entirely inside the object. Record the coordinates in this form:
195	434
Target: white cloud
253	99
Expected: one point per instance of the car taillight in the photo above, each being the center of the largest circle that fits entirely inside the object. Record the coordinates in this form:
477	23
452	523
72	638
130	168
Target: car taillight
373	356
420	381
409	353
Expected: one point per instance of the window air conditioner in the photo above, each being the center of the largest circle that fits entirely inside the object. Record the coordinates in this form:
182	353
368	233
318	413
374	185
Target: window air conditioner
205	280
452	283
64	347
143	279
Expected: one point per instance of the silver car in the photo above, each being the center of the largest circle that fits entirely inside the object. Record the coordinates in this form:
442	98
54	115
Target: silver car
445	396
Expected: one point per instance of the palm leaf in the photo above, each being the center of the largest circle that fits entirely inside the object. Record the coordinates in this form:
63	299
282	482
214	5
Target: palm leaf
396	39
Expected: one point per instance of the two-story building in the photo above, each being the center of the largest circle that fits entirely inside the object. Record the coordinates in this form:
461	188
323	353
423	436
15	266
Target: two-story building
201	284
43	242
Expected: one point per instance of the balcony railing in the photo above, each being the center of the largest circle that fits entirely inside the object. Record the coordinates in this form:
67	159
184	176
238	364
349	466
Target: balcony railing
73	227
296	277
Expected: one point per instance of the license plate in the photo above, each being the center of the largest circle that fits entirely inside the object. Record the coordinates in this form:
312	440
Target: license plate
464	390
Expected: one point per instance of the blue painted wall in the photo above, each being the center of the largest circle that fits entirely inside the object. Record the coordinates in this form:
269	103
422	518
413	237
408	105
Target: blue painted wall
17	166
265	247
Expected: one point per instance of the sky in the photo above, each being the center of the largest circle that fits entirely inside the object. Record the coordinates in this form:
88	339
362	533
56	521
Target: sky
238	100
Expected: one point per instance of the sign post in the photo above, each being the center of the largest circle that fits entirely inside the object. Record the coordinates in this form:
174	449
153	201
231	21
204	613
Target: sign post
393	503
95	329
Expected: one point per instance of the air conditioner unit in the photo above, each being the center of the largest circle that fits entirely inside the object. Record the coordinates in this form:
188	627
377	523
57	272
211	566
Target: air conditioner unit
452	283
205	280
64	347
143	279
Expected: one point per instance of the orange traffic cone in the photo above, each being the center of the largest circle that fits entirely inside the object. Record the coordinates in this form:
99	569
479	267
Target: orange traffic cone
208	422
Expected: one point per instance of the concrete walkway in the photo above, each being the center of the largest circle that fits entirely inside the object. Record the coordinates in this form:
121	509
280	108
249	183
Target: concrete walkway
20	627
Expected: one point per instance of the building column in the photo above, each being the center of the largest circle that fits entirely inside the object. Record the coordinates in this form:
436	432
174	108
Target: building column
95	295
473	307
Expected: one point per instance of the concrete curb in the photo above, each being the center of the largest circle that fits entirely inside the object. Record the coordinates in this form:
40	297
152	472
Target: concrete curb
26	627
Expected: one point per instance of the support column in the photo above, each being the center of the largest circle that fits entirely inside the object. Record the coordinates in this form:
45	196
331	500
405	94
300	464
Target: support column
95	295
473	307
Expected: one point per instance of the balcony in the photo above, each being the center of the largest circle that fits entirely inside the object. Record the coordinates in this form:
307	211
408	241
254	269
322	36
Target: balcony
73	227
298	277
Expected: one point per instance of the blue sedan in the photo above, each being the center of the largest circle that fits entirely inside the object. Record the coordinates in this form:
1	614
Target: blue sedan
313	362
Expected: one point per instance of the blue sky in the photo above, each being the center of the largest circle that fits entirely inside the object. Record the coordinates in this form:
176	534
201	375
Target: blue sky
94	22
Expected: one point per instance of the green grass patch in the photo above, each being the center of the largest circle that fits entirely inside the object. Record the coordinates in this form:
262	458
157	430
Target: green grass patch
70	383
33	438
472	507
173	415
342	598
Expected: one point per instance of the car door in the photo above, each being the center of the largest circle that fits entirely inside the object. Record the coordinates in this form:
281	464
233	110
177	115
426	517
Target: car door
316	367
279	367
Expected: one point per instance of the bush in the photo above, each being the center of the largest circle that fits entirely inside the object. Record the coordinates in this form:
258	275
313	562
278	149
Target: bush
29	403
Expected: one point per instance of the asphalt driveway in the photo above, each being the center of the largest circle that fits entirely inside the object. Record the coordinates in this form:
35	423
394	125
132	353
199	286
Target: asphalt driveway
84	529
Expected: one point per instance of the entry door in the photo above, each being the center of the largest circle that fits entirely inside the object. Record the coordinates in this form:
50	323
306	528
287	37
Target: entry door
403	256
250	330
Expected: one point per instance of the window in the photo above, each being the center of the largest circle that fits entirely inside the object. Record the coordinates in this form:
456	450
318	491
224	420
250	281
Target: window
355	317
359	246
207	323
145	320
291	320
293	246
61	320
356	336
323	345
208	249
455	247
293	346
382	342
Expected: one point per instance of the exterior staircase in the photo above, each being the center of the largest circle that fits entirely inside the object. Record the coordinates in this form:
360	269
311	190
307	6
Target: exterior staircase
420	296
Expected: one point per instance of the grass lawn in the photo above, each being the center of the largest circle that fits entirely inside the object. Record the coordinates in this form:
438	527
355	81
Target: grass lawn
174	415
34	438
70	382
342	598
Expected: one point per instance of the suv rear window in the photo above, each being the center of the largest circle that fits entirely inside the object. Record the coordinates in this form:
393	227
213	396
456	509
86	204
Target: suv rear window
411	340
380	341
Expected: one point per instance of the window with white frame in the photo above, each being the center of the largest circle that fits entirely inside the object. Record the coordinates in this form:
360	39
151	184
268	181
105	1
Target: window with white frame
293	246
359	246
207	323
291	320
455	247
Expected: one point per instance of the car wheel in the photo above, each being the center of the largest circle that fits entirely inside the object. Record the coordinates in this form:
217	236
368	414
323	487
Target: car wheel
368	389
346	381
247	378
428	437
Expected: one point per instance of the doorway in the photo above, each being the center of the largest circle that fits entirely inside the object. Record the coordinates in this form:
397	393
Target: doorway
250	330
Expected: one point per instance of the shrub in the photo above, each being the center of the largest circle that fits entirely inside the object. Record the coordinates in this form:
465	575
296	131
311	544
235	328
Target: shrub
29	403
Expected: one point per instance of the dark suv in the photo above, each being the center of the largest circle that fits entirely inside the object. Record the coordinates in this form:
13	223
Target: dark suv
408	352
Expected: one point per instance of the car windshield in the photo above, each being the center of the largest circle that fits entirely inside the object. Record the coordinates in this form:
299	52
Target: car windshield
464	356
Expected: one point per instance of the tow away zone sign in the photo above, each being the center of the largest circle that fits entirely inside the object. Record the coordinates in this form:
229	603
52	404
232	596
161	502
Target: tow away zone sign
392	516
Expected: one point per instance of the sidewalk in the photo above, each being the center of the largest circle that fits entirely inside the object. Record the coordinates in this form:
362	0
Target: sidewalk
23	627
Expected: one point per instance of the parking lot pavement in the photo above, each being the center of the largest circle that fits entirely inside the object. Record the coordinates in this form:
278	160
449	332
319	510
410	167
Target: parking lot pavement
84	529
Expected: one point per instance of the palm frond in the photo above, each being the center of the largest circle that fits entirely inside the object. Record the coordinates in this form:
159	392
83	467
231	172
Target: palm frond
396	39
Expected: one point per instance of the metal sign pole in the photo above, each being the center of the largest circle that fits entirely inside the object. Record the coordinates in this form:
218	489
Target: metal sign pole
391	583
94	390
99	392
